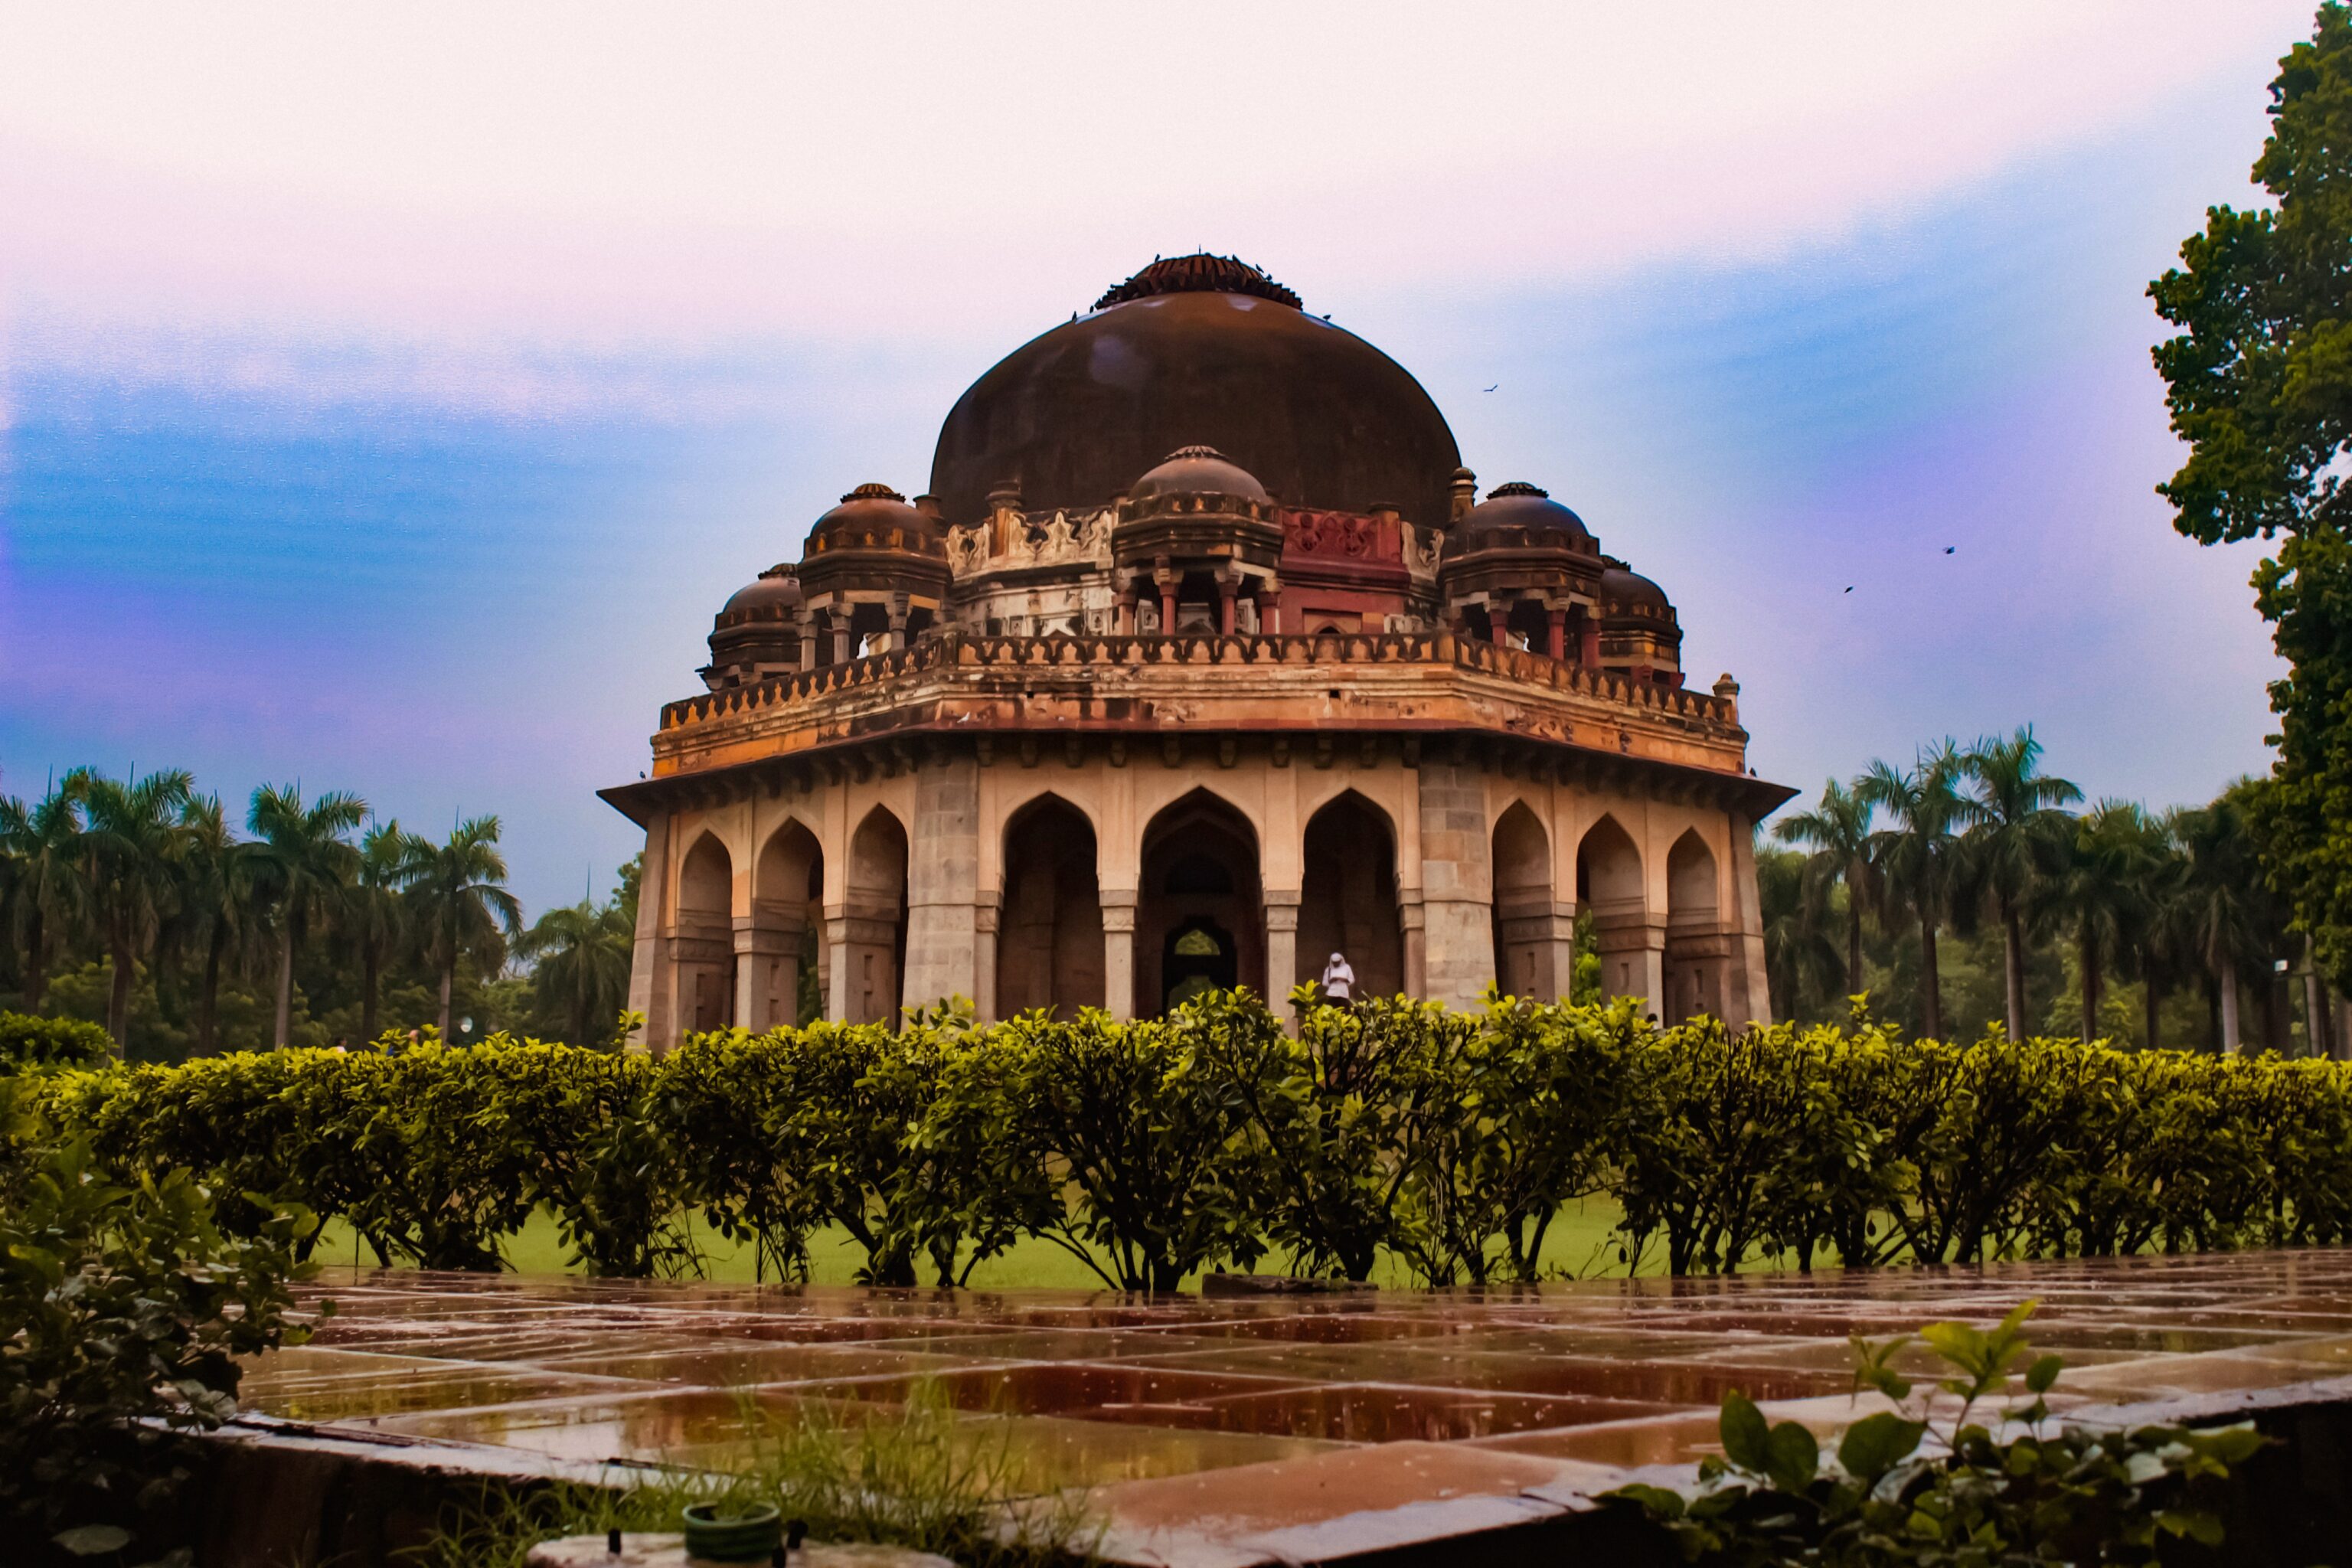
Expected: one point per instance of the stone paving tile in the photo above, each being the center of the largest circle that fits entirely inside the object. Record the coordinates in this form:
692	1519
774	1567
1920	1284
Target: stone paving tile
1231	1430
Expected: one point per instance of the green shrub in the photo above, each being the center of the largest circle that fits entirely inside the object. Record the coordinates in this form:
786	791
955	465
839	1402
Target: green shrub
27	1041
1904	1487
1444	1143
123	1310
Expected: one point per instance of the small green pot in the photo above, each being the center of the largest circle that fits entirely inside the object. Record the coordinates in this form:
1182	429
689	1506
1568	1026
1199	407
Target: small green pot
752	1536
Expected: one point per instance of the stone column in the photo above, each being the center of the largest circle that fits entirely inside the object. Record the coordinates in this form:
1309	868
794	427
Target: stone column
985	917
1556	632
1281	953
1498	621
1411	927
808	635
1269	611
650	989
1456	884
1747	990
943	884
1127	611
1168	606
1118	951
767	973
1632	959
1225	594
1588	640
841	648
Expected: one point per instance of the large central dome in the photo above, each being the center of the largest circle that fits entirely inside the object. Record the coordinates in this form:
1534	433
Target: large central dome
1197	351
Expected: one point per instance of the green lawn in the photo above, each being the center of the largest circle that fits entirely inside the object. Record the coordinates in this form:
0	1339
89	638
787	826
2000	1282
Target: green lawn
1579	1243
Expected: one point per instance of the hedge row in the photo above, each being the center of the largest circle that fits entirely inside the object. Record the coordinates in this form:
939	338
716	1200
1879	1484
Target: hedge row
1152	1150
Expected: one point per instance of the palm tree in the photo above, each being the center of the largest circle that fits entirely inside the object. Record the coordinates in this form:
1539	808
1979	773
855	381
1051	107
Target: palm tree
1917	858
2103	891
2162	956
1838	833
47	882
303	862
134	835
2217	912
375	918
1800	958
2013	824
216	903
457	898
581	975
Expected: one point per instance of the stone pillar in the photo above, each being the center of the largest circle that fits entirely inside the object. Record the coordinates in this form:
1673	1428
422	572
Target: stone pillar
1588	640
1632	959
985	917
1127	612
943	884
1269	611
1540	942
1456	884
1281	951
1556	632
1410	927
1167	606
1118	952
650	988
1498	621
841	648
808	635
767	973
1225	592
1747	990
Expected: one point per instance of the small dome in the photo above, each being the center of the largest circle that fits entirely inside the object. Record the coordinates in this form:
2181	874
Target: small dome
1622	590
875	517
774	595
1198	471
1521	505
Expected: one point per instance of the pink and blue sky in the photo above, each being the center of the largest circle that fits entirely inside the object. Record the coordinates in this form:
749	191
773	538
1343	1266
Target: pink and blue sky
387	400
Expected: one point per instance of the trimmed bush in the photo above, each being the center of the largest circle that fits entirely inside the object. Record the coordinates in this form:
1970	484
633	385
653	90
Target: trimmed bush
27	1041
1445	1142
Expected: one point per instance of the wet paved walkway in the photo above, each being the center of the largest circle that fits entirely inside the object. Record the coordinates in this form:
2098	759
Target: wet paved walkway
1392	1394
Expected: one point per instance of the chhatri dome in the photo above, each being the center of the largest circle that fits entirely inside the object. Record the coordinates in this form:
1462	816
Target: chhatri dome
1201	657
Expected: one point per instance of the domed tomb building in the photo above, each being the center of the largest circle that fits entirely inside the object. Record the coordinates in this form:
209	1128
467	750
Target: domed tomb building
1202	658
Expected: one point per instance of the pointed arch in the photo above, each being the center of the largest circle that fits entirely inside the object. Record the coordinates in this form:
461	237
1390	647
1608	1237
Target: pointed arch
703	942
1698	949
1049	942
1534	955
869	941
1610	886
1200	910
1347	897
787	930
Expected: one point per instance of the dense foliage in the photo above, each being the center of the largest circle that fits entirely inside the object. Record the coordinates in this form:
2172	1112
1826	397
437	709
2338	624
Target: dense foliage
123	1308
1906	1487
137	905
2259	384
27	1042
1154	1149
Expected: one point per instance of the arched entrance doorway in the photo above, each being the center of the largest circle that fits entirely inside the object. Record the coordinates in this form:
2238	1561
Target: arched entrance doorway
1534	940
1199	955
1347	897
704	940
1200	873
1697	950
869	941
1049	945
776	955
1609	883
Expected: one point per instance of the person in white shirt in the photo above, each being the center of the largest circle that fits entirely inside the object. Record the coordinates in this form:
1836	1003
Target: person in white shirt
1338	980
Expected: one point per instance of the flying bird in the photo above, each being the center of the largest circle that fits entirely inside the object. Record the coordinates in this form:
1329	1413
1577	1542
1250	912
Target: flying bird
1492	388
1949	548
1848	588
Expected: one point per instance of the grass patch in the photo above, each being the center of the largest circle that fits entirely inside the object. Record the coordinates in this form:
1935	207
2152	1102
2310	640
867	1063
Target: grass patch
914	1476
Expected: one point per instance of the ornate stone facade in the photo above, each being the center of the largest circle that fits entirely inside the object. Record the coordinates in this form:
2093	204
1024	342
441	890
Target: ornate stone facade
1194	731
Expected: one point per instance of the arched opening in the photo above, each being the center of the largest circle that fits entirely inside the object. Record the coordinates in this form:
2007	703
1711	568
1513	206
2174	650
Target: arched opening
704	943
1347	897
1200	869
1049	943
1609	884
1697	949
1199	955
1528	926
787	930
870	948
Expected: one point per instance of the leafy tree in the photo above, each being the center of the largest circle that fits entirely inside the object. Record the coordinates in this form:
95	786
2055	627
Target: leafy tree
48	885
2260	384
134	834
2105	892
580	968
303	864
1918	856
1838	833
457	895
